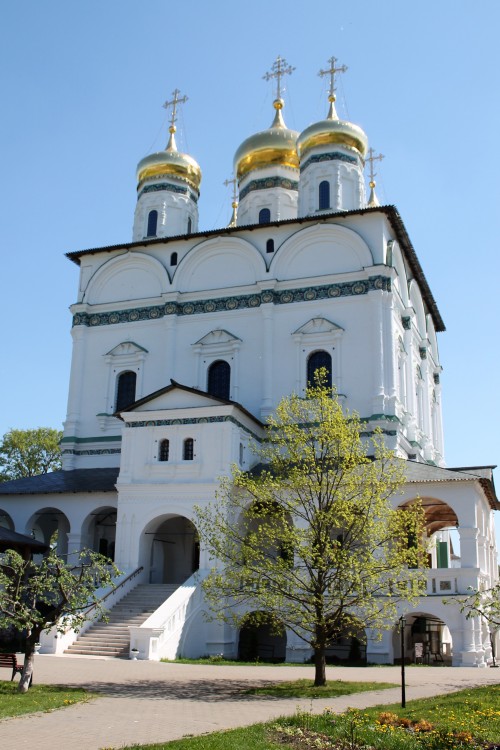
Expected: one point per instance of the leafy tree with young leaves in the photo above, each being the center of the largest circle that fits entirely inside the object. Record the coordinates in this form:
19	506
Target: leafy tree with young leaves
55	592
309	541
483	603
26	453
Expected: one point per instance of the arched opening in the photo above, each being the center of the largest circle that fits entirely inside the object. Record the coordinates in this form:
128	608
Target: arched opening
189	225
427	640
324	195
164	450
260	640
45	523
270	246
348	647
99	531
219	379
152	223
6	521
264	216
125	389
170	548
316	361
173	259
188	449
441	526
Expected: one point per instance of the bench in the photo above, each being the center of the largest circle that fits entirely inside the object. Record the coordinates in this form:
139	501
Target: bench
10	661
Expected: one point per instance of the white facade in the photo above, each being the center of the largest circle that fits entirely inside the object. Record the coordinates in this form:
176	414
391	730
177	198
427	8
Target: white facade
155	320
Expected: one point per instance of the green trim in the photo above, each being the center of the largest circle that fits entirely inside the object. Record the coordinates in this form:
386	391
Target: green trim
107	439
331	156
90	452
190	421
381	417
243	302
267	183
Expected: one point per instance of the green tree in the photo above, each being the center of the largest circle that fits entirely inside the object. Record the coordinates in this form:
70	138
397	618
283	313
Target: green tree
38	596
484	603
309	540
26	453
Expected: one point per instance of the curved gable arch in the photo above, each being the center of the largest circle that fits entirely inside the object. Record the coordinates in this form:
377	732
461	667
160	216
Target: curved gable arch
417	303
129	277
321	250
431	335
219	263
401	280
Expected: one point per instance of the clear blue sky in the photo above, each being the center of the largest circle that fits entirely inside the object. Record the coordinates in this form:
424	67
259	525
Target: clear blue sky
82	89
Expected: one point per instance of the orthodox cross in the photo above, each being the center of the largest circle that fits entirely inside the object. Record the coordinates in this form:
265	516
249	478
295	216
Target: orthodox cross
279	69
232	182
371	158
173	103
331	72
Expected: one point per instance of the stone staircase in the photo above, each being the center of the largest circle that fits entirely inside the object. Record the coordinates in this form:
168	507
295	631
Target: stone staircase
112	638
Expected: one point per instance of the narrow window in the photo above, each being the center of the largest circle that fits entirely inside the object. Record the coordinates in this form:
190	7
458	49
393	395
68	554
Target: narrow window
164	450
270	246
219	379
319	360
125	389
188	452
324	195
264	216
152	223
190	225
173	259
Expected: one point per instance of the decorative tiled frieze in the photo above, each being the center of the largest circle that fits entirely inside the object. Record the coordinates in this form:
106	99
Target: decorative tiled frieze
331	156
269	182
91	452
156	187
196	307
191	421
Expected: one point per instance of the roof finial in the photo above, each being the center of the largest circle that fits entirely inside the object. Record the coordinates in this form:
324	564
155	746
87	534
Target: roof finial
373	200
279	69
332	114
171	146
234	204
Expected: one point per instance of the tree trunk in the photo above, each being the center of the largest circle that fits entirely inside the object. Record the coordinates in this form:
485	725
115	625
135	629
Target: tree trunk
29	662
319	667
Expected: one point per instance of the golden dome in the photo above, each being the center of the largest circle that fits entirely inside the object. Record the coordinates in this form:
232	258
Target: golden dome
170	162
332	131
275	146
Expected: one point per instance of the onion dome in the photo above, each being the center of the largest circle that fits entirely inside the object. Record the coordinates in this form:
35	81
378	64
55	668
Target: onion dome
332	131
273	147
170	163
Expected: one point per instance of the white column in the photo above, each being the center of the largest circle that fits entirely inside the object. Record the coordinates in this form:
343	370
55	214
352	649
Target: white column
170	323
76	381
468	547
267	396
378	353
389	340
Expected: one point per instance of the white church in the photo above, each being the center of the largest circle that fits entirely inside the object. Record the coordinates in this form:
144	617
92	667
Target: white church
184	341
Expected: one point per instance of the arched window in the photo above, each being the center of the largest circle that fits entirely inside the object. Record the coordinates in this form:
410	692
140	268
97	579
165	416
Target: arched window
173	259
152	223
270	246
324	195
125	389
264	216
219	379
164	450
190	225
188	450
316	361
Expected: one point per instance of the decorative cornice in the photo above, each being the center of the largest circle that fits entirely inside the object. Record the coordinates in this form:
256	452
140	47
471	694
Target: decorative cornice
267	183
331	156
196	307
190	421
158	186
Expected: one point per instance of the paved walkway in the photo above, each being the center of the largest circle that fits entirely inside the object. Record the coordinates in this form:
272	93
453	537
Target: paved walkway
146	702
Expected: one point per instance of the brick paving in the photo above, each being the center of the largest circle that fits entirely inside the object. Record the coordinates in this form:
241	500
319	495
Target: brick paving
145	702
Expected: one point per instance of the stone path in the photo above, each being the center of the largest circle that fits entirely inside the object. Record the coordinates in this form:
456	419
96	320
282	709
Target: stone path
146	702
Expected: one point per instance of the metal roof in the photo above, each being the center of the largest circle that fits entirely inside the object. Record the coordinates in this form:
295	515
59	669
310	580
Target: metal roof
58	482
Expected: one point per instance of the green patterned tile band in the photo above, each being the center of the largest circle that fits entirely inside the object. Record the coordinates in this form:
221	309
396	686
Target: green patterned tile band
191	421
170	188
332	156
90	452
269	182
248	301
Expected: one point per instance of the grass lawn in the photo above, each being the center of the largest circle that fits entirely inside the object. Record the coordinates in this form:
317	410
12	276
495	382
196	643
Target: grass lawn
469	719
220	661
306	689
38	698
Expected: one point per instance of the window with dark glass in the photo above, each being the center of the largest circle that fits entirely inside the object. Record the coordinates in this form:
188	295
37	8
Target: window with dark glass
319	360
264	216
324	195
173	259
190	225
125	389
164	451
270	246
219	379
188	452
152	223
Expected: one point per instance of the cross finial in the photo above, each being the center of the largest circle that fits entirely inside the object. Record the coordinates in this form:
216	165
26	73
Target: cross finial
173	103
279	69
331	72
234	183
371	158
